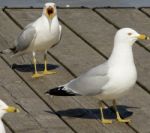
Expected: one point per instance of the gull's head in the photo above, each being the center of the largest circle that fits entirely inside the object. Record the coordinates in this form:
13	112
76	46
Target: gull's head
50	10
4	108
129	36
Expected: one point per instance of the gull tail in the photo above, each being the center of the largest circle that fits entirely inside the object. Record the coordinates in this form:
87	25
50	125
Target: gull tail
8	51
60	91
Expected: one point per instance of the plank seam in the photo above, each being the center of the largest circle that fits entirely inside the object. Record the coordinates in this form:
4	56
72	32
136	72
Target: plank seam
15	97
142	86
88	43
39	95
145	13
32	116
55	58
11	18
106	19
9	127
117	27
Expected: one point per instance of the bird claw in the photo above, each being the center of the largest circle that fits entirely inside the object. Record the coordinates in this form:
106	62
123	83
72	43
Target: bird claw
106	121
37	75
45	72
123	120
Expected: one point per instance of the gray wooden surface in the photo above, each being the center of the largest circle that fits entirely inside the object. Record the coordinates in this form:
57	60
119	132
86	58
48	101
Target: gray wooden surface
86	42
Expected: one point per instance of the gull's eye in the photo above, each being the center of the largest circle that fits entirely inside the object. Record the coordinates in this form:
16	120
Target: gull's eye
129	34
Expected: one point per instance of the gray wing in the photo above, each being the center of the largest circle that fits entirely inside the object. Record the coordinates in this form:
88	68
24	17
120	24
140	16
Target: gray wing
91	82
25	38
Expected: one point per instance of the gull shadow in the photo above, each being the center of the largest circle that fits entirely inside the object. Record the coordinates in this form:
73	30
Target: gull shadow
30	67
94	113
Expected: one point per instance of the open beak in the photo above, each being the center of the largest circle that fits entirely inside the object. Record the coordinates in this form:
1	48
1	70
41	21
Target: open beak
12	109
143	37
50	12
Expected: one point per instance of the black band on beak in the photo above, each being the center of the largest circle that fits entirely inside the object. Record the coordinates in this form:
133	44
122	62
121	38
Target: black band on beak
143	37
147	38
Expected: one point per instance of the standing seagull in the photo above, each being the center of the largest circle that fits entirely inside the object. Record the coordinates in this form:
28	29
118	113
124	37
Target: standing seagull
3	110
39	36
110	80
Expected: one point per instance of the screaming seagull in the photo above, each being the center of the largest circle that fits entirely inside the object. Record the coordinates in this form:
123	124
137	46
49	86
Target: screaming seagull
110	80
39	36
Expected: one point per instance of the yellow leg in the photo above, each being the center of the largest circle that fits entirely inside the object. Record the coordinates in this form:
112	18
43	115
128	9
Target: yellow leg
119	119
103	120
46	72
36	74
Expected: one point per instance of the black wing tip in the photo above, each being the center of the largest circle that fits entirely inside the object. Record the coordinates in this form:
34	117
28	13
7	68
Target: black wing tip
59	91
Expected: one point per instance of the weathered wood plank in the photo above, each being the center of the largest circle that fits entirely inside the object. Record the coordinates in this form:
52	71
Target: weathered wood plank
7	129
147	10
78	122
128	18
16	121
35	114
85	14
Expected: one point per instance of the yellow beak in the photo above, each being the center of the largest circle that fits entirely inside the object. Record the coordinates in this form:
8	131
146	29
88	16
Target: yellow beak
12	109
143	37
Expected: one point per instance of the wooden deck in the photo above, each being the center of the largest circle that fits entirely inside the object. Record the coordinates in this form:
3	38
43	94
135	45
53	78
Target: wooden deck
87	41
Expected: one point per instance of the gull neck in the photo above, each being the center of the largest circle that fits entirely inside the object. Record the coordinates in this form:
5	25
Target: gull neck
121	54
